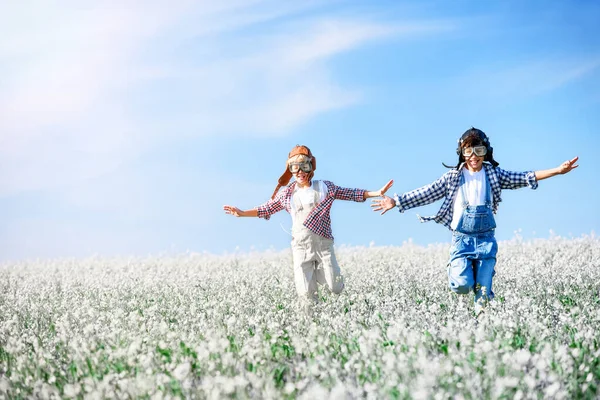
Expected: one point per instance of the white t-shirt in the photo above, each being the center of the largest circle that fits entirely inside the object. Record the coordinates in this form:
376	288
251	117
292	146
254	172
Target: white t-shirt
475	187
306	195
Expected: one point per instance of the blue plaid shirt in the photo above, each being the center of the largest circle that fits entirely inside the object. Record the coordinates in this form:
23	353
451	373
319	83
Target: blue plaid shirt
447	185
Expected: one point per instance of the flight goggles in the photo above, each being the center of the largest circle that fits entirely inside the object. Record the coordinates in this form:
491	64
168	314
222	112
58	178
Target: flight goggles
479	151
305	166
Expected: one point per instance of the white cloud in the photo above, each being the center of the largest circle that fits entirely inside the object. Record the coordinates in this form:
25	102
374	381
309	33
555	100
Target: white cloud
74	74
528	79
65	69
565	73
265	85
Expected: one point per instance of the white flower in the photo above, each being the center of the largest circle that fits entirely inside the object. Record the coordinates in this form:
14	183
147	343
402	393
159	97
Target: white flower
522	357
4	384
552	390
72	390
182	371
315	391
339	392
289	388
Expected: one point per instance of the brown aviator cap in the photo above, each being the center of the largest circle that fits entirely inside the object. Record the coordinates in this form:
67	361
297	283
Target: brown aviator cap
287	175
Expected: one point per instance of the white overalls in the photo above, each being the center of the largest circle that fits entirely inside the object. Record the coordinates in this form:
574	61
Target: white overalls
313	256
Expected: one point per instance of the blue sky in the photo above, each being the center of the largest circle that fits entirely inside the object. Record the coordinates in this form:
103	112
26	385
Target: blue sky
126	126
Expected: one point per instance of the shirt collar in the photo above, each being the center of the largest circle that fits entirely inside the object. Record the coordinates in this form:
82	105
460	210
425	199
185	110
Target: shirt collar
462	164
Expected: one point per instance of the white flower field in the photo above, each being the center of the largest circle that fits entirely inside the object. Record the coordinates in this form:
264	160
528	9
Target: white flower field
207	326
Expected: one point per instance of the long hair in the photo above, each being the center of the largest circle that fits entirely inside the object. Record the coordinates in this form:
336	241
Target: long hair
471	138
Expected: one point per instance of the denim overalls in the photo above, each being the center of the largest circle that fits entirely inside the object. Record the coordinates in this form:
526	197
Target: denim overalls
474	248
313	255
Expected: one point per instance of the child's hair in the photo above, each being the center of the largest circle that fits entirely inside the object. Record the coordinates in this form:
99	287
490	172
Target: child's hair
471	138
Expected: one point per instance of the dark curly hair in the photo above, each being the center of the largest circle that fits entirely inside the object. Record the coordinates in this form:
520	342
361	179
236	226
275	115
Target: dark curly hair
471	138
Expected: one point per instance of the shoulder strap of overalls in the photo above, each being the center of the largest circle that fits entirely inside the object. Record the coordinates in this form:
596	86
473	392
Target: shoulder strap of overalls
296	199
488	190
461	182
317	189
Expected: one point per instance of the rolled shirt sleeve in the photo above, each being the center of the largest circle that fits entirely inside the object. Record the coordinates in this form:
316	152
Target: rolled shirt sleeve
423	195
516	180
340	193
272	206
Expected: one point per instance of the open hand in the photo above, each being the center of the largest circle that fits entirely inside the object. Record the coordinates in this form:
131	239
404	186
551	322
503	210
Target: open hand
236	212
385	187
383	204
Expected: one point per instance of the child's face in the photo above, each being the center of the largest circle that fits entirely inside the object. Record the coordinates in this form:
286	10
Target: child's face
474	163
301	178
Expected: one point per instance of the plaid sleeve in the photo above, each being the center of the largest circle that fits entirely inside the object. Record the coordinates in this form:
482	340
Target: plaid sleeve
272	206
340	193
423	195
516	180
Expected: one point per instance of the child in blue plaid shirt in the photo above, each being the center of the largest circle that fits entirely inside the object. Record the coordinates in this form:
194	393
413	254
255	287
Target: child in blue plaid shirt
471	192
309	203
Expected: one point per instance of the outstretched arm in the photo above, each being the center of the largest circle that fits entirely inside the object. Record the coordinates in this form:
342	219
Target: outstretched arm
379	192
358	195
415	198
563	168
236	212
263	211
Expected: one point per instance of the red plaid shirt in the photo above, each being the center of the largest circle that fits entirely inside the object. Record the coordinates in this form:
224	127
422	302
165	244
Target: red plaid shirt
319	220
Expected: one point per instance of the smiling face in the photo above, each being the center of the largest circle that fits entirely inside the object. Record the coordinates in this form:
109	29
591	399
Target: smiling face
473	152
302	178
474	163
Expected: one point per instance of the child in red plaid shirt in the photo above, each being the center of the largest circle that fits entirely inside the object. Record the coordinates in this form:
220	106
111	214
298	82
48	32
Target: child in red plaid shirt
309	203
